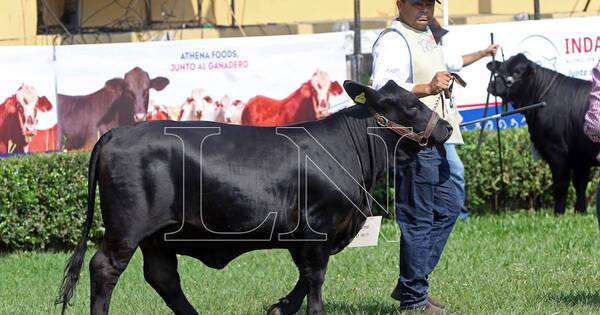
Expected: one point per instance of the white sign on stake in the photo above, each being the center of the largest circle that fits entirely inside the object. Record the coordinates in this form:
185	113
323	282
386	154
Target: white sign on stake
369	234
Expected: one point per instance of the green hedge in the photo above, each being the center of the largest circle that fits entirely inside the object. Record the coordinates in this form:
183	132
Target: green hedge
527	182
43	201
43	197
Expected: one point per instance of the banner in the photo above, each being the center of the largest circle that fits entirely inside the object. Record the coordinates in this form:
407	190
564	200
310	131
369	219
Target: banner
214	80
569	46
28	99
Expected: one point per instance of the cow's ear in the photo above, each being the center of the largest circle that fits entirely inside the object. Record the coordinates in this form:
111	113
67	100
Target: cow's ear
11	104
335	88
159	83
43	104
493	65
361	94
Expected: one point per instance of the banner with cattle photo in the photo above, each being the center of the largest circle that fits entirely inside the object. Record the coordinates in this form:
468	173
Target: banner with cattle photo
28	108
261	81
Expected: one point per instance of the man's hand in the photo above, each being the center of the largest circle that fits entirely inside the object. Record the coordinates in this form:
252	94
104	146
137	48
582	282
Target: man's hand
490	50
440	82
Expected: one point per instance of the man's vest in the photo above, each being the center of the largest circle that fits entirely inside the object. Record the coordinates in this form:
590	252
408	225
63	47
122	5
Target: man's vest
426	60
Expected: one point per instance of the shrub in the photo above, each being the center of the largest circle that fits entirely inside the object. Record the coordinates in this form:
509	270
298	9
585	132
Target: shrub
43	200
43	197
527	182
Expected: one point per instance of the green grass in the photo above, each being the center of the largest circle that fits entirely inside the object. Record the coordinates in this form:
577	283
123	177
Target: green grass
509	264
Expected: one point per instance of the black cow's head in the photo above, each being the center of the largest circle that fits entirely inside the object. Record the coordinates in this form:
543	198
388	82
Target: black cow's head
402	108
510	77
138	85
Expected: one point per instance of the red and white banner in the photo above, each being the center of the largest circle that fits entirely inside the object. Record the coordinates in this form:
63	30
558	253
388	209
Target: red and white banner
277	80
28	100
570	46
73	94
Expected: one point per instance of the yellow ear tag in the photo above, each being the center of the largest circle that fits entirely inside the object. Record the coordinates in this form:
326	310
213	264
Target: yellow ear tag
361	98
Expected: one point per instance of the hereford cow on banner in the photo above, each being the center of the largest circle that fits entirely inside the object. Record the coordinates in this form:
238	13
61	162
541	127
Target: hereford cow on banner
19	119
158	112
200	106
233	112
120	102
309	102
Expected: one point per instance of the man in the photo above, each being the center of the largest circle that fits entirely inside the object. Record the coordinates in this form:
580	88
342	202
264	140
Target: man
591	126
455	62
427	204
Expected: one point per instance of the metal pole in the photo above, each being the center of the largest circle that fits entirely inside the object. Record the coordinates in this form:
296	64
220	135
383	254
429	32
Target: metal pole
536	9
357	43
148	13
446	13
233	13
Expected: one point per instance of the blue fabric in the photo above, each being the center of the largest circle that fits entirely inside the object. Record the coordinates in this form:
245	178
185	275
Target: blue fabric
457	174
427	206
598	204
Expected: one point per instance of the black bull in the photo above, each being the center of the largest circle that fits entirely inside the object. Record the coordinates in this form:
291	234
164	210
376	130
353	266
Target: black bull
215	191
556	130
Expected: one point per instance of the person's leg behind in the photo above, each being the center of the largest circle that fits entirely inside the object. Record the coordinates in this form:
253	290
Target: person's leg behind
457	175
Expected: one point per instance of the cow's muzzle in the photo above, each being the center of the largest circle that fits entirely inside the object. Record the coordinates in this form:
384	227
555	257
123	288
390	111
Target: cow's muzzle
139	117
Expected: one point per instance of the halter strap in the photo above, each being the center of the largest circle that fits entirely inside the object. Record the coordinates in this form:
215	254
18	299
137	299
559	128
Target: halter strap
422	138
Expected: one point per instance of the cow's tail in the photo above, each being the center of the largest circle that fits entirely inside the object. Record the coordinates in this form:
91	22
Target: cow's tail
71	272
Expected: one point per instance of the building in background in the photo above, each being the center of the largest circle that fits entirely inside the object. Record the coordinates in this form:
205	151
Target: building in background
48	22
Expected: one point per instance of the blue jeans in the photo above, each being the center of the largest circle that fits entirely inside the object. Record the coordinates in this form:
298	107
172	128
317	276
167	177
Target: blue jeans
427	206
457	174
598	204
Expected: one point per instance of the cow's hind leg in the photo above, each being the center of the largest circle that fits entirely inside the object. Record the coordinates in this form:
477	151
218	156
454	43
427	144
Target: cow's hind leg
160	271
105	268
581	177
560	186
293	301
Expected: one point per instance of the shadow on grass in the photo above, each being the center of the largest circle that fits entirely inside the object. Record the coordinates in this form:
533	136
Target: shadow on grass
357	308
576	298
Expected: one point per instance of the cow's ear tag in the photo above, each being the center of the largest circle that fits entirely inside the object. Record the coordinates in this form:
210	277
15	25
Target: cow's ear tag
361	98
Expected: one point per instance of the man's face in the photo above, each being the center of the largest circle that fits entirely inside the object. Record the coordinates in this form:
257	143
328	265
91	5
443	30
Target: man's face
416	13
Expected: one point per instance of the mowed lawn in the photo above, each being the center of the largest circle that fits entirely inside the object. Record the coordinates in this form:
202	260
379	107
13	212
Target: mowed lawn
509	264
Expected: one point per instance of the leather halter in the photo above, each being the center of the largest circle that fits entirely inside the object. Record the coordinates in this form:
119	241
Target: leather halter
422	138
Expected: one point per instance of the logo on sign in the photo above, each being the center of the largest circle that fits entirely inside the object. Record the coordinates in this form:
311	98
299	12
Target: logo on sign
540	50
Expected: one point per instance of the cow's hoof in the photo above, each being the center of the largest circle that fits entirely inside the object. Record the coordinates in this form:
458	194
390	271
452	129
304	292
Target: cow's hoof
274	310
278	309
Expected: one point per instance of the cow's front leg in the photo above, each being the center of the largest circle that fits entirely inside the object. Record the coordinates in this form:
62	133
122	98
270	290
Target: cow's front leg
560	183
293	301
581	177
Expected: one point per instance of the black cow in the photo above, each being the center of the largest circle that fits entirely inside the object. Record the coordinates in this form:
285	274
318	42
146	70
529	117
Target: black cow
233	189
82	119
556	130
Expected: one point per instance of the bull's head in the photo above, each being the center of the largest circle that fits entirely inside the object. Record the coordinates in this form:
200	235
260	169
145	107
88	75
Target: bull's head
510	77
138	85
320	89
402	115
26	104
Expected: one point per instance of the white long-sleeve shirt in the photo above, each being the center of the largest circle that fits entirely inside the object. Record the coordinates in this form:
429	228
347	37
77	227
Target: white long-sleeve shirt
392	61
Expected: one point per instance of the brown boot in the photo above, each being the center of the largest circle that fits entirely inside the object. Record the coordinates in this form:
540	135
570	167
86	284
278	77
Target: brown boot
427	309
431	309
435	302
